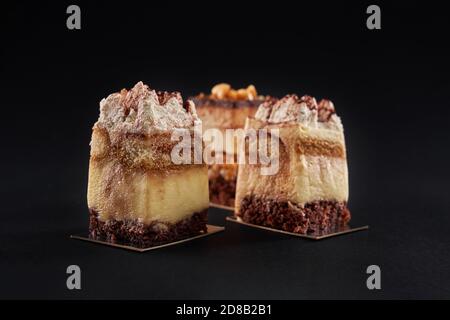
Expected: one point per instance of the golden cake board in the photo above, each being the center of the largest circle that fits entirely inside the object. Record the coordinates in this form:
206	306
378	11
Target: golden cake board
219	206
211	229
345	230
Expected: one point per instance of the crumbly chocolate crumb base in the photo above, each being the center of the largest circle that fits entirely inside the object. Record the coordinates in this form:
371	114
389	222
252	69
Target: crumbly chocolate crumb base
142	235
313	218
222	191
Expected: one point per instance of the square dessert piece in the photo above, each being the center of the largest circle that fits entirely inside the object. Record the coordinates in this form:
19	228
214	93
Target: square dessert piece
226	108
136	194
309	192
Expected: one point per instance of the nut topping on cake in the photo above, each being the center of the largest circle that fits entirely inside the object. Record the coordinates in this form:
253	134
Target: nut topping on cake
224	91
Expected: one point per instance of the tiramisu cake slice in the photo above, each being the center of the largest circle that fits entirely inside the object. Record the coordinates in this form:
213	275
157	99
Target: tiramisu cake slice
226	108
136	194
308	194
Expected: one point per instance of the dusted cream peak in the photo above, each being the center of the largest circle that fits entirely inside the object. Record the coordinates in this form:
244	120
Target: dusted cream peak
143	110
304	110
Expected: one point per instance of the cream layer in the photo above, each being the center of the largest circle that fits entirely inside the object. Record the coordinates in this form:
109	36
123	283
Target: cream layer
146	196
301	180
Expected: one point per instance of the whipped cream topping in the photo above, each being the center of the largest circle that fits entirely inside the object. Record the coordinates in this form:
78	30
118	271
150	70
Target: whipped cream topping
143	110
304	110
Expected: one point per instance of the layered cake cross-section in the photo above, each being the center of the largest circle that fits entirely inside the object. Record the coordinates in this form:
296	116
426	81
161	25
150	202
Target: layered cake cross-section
309	192
226	108
136	194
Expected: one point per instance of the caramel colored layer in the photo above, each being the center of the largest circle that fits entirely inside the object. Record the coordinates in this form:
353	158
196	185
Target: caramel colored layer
135	151
306	141
317	147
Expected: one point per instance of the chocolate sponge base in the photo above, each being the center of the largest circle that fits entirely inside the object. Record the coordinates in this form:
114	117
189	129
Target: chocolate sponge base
143	235
312	218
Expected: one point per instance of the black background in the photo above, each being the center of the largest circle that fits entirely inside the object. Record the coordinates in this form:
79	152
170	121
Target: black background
390	87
